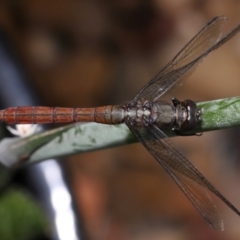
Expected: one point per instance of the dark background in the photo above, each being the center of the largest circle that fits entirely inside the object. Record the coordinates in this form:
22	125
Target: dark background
92	53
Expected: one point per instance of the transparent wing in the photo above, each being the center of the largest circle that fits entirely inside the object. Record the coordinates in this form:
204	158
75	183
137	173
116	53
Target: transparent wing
187	177
185	62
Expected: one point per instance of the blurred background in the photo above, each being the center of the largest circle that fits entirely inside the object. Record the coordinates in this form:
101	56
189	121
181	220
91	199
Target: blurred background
89	53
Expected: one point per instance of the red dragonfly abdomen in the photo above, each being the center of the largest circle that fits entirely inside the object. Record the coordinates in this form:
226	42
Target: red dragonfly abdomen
112	114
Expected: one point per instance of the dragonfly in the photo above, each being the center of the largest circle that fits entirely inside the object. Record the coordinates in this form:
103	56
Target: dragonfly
147	116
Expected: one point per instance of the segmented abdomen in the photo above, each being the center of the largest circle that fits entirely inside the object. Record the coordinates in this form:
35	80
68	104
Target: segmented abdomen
113	114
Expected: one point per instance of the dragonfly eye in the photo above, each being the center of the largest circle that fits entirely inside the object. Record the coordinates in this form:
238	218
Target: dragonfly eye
193	115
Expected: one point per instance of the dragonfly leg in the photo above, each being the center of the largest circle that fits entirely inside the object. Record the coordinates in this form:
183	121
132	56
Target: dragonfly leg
131	104
181	133
175	102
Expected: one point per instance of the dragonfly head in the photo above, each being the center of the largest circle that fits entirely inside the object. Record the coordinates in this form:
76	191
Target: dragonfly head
187	117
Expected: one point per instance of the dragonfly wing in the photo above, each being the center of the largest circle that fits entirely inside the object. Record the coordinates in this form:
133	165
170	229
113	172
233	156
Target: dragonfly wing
187	177
185	62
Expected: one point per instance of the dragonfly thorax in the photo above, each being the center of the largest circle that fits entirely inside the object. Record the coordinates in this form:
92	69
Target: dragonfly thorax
138	113
179	116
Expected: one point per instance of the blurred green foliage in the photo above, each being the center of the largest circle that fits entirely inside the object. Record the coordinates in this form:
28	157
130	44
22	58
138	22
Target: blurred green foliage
20	216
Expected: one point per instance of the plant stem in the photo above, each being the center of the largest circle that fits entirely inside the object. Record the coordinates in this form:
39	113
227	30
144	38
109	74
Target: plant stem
219	114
